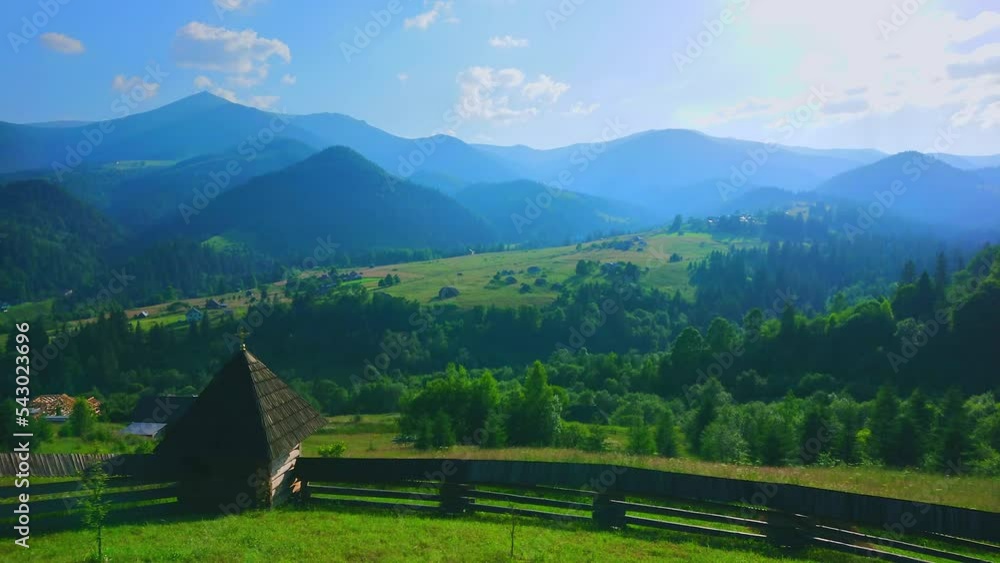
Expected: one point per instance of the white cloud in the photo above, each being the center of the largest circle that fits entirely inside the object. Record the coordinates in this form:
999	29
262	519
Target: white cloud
484	94
508	42
234	5
262	102
62	43
875	64
251	79
243	55
403	77
510	77
545	88
580	109
202	82
497	95
289	79
439	9
129	84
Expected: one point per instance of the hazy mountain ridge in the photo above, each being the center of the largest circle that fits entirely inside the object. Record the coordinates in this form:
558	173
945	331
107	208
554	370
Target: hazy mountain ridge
664	172
920	187
528	212
337	195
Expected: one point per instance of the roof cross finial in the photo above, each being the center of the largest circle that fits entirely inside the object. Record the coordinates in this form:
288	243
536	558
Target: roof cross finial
243	333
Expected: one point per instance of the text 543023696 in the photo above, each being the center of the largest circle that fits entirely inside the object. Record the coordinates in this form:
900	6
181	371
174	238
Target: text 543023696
22	418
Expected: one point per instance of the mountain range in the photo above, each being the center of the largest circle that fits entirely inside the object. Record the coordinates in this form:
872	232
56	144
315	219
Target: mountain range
141	170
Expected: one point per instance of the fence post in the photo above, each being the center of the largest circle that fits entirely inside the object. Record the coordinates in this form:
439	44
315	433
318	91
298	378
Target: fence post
607	514
454	497
788	530
303	490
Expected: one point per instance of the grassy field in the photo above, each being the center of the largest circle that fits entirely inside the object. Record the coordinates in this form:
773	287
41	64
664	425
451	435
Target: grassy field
372	437
118	443
421	281
352	535
471	274
344	534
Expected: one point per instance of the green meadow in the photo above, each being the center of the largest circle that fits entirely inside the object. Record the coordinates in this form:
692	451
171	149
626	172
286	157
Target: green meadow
471	274
321	534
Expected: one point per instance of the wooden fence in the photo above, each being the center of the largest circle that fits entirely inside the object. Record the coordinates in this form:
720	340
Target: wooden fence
51	465
619	496
143	486
57	506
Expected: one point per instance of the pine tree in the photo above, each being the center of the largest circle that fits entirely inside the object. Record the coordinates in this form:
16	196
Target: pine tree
667	436
82	420
640	440
915	430
443	432
884	425
940	275
953	433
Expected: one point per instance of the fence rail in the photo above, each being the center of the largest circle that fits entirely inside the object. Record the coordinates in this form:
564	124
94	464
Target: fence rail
793	515
60	505
51	465
143	486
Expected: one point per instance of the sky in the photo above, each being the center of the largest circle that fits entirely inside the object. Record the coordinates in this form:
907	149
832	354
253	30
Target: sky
892	75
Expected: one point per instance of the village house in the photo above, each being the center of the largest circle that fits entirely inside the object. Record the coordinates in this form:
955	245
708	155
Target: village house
214	304
152	415
194	315
57	408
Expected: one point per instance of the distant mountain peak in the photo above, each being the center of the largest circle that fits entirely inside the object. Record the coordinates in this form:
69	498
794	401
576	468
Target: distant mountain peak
203	100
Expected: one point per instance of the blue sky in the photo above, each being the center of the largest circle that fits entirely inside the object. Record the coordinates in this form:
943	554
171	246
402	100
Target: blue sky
887	74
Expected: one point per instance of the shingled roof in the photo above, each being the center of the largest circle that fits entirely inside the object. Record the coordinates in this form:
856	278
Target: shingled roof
246	411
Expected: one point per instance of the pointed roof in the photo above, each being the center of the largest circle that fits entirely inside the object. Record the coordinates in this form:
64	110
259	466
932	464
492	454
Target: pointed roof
246	411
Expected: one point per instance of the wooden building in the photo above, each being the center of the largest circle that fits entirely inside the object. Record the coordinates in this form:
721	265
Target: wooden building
237	443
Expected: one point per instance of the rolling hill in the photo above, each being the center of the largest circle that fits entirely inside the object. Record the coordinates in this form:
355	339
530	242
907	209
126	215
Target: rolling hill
193	126
148	199
926	190
526	212
650	167
49	240
645	168
206	124
337	196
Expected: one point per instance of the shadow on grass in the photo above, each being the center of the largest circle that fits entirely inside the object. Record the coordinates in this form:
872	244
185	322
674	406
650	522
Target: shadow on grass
172	513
